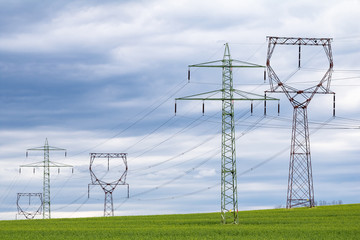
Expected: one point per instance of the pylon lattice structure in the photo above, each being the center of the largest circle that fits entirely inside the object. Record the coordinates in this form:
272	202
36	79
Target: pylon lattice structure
229	198
35	210
300	182
108	187
46	164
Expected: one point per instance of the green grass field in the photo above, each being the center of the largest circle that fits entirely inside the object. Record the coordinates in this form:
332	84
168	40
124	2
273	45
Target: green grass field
327	222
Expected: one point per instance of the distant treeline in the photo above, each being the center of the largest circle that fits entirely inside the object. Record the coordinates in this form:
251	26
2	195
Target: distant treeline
324	203
319	203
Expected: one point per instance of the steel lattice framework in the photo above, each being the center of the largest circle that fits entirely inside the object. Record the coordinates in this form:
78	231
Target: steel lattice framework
108	187
29	214
300	183
46	164
229	198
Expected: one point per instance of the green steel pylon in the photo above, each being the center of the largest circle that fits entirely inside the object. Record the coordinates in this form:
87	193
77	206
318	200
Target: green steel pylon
229	198
46	164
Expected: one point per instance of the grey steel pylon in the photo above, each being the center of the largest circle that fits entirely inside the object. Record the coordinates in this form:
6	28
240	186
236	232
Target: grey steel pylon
300	182
108	186
227	94
29	213
46	164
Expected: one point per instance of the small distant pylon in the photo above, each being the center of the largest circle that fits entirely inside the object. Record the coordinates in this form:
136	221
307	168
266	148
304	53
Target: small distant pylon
108	187
28	213
46	164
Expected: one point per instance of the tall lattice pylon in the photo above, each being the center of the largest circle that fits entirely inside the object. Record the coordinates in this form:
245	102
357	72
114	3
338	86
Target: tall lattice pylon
46	164
227	94
300	183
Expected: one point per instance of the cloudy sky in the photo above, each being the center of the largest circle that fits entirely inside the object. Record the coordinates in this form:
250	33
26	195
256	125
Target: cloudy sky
102	77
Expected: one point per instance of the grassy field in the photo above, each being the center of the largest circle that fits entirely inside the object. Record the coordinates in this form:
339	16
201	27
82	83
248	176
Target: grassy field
327	222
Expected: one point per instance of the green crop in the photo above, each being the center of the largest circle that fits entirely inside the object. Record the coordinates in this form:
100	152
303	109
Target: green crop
327	222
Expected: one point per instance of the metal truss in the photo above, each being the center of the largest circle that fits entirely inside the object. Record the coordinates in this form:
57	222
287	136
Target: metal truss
229	197
108	187
29	214
299	41
300	183
46	164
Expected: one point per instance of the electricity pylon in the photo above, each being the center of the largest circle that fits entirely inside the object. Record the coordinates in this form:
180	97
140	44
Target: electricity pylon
229	198
29	213
46	164
300	183
108	187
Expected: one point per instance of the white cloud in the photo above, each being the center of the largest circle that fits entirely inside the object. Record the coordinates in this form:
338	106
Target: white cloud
206	173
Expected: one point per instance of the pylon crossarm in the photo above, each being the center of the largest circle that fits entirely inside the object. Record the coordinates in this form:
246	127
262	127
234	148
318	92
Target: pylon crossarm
252	96
247	64
198	96
298	91
101	182
109	155
245	96
46	148
207	64
55	164
37	164
220	63
41	164
299	41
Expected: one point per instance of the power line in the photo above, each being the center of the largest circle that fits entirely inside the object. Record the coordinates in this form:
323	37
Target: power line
167	139
149	134
135	122
201	190
260	125
178	88
177	177
241	174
